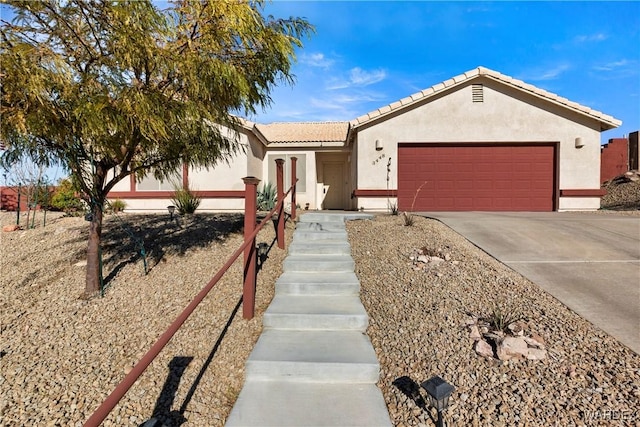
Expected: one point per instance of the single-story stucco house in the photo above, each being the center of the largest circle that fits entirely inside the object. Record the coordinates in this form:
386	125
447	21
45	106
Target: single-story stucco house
481	141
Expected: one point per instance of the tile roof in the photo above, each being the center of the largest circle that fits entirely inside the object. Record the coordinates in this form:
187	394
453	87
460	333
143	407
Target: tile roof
304	132
336	133
609	122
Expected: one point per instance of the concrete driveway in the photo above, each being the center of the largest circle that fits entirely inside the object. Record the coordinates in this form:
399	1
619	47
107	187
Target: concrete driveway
590	262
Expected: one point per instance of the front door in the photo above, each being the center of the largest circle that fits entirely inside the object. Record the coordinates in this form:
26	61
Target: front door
333	176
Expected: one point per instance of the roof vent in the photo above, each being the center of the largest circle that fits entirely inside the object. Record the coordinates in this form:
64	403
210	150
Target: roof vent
477	94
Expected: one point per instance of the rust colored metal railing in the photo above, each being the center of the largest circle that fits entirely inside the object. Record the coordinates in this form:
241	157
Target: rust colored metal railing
248	302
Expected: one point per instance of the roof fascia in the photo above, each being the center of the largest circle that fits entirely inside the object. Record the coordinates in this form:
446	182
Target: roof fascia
260	135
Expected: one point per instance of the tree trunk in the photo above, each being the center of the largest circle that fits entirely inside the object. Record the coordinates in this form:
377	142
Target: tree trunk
93	283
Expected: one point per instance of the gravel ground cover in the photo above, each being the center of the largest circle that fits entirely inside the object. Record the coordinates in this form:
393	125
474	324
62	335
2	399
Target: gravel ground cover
621	195
60	356
418	328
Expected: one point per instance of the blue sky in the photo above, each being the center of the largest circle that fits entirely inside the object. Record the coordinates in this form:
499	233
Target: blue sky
365	55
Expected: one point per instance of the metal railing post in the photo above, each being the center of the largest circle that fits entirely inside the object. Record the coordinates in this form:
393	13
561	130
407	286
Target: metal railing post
294	183
280	186
250	259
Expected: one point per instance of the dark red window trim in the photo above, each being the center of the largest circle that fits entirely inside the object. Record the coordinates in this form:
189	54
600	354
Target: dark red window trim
210	194
375	193
595	192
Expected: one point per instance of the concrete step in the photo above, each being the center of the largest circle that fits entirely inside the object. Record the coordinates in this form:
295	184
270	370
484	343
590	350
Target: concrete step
333	263
290	404
313	356
321	217
321	226
333	216
313	235
330	247
316	312
318	283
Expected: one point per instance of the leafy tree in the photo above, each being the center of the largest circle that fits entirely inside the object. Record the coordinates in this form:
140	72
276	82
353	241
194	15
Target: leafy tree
110	89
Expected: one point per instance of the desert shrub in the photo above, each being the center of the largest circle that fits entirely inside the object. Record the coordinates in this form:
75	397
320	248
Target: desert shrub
393	208
267	197
408	219
117	205
185	200
65	198
501	317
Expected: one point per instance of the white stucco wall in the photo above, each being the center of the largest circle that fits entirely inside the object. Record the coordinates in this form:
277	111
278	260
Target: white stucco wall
224	176
160	205
124	185
255	156
228	175
502	117
309	193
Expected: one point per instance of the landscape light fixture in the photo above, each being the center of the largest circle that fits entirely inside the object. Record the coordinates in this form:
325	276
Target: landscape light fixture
439	391
262	251
171	210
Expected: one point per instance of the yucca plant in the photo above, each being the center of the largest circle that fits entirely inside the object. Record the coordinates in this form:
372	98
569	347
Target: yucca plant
185	200
393	208
408	219
267	197
118	205
502	317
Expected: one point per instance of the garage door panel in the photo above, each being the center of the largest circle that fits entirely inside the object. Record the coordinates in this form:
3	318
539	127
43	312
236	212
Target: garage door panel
445	186
503	185
476	177
519	185
483	185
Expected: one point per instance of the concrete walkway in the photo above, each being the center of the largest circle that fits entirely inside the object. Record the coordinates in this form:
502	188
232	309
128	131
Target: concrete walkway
314	365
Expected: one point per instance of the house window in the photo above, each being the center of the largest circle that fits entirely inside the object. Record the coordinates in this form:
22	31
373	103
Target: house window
477	94
150	183
301	169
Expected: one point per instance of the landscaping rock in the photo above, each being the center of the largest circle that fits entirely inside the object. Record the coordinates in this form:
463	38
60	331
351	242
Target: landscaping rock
536	354
532	342
484	349
474	334
512	347
623	192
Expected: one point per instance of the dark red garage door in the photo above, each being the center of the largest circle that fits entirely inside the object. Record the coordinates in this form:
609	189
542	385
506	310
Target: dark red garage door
476	177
